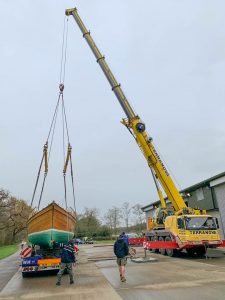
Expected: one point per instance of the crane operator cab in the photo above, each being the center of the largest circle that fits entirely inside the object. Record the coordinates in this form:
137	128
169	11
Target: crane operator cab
197	223
159	216
194	228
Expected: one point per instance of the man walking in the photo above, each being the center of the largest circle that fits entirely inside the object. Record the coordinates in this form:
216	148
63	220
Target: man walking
67	261
121	250
125	238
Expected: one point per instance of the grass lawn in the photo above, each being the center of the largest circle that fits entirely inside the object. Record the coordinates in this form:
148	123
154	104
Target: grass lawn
7	250
105	242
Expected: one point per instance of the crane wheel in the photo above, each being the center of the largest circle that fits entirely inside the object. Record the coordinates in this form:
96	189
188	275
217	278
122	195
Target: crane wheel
200	251
190	251
154	239
162	251
170	252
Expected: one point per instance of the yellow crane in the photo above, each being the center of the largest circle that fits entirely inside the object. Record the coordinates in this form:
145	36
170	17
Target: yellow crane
186	227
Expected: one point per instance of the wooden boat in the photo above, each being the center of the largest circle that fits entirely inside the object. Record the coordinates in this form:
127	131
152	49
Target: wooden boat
51	223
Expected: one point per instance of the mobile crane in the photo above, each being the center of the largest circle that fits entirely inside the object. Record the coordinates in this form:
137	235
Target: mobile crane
183	227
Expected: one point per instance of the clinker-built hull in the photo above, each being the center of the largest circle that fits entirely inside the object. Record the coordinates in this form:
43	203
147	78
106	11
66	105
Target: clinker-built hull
51	223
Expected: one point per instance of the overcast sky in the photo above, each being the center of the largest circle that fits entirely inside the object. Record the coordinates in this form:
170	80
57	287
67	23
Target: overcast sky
169	57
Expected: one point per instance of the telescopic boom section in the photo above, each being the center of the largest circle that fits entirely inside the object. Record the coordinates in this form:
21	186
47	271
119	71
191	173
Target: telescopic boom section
105	68
134	123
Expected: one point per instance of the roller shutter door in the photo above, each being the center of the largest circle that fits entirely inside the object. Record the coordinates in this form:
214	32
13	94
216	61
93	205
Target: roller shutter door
220	197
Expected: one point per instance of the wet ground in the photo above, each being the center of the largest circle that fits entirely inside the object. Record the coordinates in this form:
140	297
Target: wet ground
170	278
97	277
8	268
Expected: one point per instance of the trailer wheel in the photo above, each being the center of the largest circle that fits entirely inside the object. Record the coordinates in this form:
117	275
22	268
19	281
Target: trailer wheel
170	252
24	274
162	251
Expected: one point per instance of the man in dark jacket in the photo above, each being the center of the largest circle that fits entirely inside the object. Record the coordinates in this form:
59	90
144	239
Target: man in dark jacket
121	250
67	261
125	238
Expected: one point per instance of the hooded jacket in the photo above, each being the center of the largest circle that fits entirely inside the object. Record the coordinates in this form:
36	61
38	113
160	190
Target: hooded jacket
120	248
68	254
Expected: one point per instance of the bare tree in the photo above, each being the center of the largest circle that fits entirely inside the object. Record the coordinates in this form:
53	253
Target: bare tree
88	222
126	212
113	218
109	219
139	214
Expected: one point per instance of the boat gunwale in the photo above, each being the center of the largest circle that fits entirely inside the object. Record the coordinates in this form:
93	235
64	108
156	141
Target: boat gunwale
49	208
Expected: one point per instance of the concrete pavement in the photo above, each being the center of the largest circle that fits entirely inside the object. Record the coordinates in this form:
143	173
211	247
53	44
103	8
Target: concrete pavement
169	278
97	277
89	284
8	267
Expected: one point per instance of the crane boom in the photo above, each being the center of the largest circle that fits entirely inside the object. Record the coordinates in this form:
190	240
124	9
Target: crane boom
134	123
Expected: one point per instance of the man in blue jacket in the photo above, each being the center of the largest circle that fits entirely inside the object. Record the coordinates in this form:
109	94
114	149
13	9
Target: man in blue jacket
67	261
121	250
125	238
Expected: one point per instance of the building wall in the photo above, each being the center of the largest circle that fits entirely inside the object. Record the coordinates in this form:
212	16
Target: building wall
219	193
210	197
216	214
202	198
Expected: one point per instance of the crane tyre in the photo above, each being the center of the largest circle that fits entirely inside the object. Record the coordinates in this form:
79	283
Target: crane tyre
191	251
170	252
154	239
200	251
162	251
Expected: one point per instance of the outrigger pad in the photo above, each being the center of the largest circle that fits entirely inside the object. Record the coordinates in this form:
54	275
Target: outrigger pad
213	253
144	260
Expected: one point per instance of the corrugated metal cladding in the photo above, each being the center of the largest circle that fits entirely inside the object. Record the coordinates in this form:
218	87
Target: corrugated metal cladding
216	214
220	197
201	198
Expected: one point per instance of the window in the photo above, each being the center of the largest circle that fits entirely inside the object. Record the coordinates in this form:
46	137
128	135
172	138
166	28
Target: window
200	223
199	194
180	223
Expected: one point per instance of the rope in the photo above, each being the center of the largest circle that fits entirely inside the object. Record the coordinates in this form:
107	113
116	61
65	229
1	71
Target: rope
55	113
64	51
67	217
63	131
65	191
65	56
43	184
36	184
51	132
74	199
52	129
64	110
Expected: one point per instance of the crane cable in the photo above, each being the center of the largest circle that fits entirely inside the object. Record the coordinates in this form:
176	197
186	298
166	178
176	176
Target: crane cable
45	157
67	159
154	176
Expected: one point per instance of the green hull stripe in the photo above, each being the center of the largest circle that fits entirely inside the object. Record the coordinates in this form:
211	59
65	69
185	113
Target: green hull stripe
43	238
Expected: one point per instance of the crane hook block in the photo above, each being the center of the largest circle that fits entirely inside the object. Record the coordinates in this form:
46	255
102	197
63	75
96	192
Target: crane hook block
61	87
